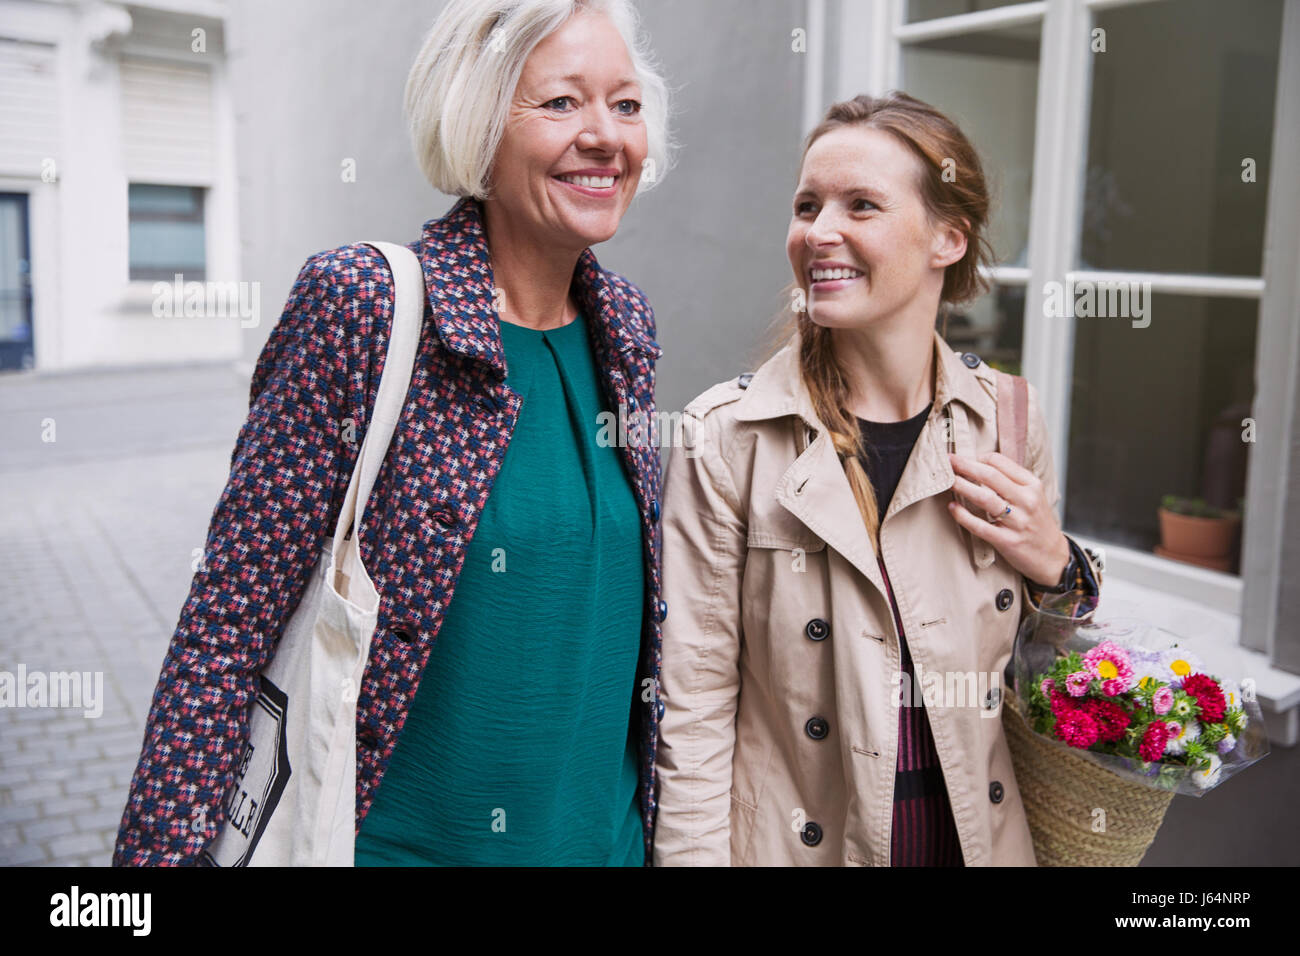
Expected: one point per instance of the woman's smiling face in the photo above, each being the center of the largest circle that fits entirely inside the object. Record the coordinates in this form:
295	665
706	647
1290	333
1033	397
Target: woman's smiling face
570	158
860	240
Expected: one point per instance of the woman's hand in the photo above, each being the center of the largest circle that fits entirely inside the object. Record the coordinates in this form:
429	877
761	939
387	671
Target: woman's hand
1028	535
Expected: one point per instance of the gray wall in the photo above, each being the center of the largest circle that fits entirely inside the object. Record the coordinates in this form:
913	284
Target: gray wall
313	85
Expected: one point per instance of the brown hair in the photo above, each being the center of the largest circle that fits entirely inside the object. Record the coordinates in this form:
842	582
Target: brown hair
961	199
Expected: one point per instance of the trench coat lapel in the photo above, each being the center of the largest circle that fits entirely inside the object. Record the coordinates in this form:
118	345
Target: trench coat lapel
815	489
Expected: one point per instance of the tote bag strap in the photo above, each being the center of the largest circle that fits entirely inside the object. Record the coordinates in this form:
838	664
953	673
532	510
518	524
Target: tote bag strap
1013	415
403	340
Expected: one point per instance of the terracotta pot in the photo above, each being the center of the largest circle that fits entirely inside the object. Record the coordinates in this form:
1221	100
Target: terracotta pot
1224	564
1198	537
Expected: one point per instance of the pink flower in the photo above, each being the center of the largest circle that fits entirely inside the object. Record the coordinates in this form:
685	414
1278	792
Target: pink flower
1046	686
1077	729
1077	683
1110	664
1162	700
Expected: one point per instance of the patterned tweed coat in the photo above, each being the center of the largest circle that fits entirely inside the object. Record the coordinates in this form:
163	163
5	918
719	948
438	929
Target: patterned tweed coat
289	474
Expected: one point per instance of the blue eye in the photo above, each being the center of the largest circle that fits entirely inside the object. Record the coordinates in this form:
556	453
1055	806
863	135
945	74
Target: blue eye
636	107
868	202
558	99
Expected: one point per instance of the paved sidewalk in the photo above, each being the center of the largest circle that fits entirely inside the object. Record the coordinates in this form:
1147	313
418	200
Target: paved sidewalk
96	551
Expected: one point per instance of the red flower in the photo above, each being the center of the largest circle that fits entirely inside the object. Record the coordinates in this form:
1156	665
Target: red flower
1112	719
1154	740
1076	728
1062	704
1208	694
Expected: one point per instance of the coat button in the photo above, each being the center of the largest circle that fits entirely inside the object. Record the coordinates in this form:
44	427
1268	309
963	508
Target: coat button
811	835
1005	599
996	791
744	379
654	511
660	711
817	728
817	629
367	740
661	611
970	359
403	633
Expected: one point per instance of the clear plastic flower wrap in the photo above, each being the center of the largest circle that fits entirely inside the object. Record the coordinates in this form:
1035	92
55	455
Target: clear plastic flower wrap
1156	709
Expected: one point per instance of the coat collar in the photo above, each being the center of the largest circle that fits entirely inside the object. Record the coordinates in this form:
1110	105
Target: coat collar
777	389
458	280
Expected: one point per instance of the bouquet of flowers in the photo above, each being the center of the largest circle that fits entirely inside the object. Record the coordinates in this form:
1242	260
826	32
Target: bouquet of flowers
1109	721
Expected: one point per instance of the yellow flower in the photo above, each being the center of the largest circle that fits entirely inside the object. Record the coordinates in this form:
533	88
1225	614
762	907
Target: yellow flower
1180	667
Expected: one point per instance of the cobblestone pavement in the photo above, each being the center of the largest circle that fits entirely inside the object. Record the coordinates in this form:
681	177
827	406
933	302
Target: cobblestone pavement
96	550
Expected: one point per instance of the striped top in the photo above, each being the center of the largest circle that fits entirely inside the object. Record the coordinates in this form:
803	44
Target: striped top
923	831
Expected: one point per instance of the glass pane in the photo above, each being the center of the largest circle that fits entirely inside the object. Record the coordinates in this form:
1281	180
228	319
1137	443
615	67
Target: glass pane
992	327
1158	411
149	200
987	83
160	249
1181	97
931	9
166	232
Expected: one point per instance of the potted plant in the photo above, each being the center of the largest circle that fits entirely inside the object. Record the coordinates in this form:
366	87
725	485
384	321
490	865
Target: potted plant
1198	533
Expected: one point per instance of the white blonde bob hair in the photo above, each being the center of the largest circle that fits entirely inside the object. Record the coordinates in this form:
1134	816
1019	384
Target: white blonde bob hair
459	89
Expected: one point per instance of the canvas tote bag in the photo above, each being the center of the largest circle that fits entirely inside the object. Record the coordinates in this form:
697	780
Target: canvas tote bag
293	800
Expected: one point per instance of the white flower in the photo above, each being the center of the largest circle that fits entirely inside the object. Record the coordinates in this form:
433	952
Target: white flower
1175	744
1232	698
1175	664
1231	693
1210	775
1180	734
1227	743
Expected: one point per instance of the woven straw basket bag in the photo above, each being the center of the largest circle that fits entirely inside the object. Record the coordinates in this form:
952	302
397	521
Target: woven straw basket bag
1063	794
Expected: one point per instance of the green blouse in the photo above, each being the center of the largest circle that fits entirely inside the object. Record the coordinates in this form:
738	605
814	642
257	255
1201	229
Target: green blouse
519	748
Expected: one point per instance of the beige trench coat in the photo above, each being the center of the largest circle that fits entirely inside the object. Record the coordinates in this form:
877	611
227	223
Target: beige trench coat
781	667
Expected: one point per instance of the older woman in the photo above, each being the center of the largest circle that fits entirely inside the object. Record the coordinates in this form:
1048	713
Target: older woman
503	704
824	548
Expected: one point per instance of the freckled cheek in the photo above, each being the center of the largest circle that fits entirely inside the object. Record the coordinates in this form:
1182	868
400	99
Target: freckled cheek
794	246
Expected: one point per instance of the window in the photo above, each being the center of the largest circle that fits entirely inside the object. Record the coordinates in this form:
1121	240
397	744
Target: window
1134	162
1145	160
166	232
1176	185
